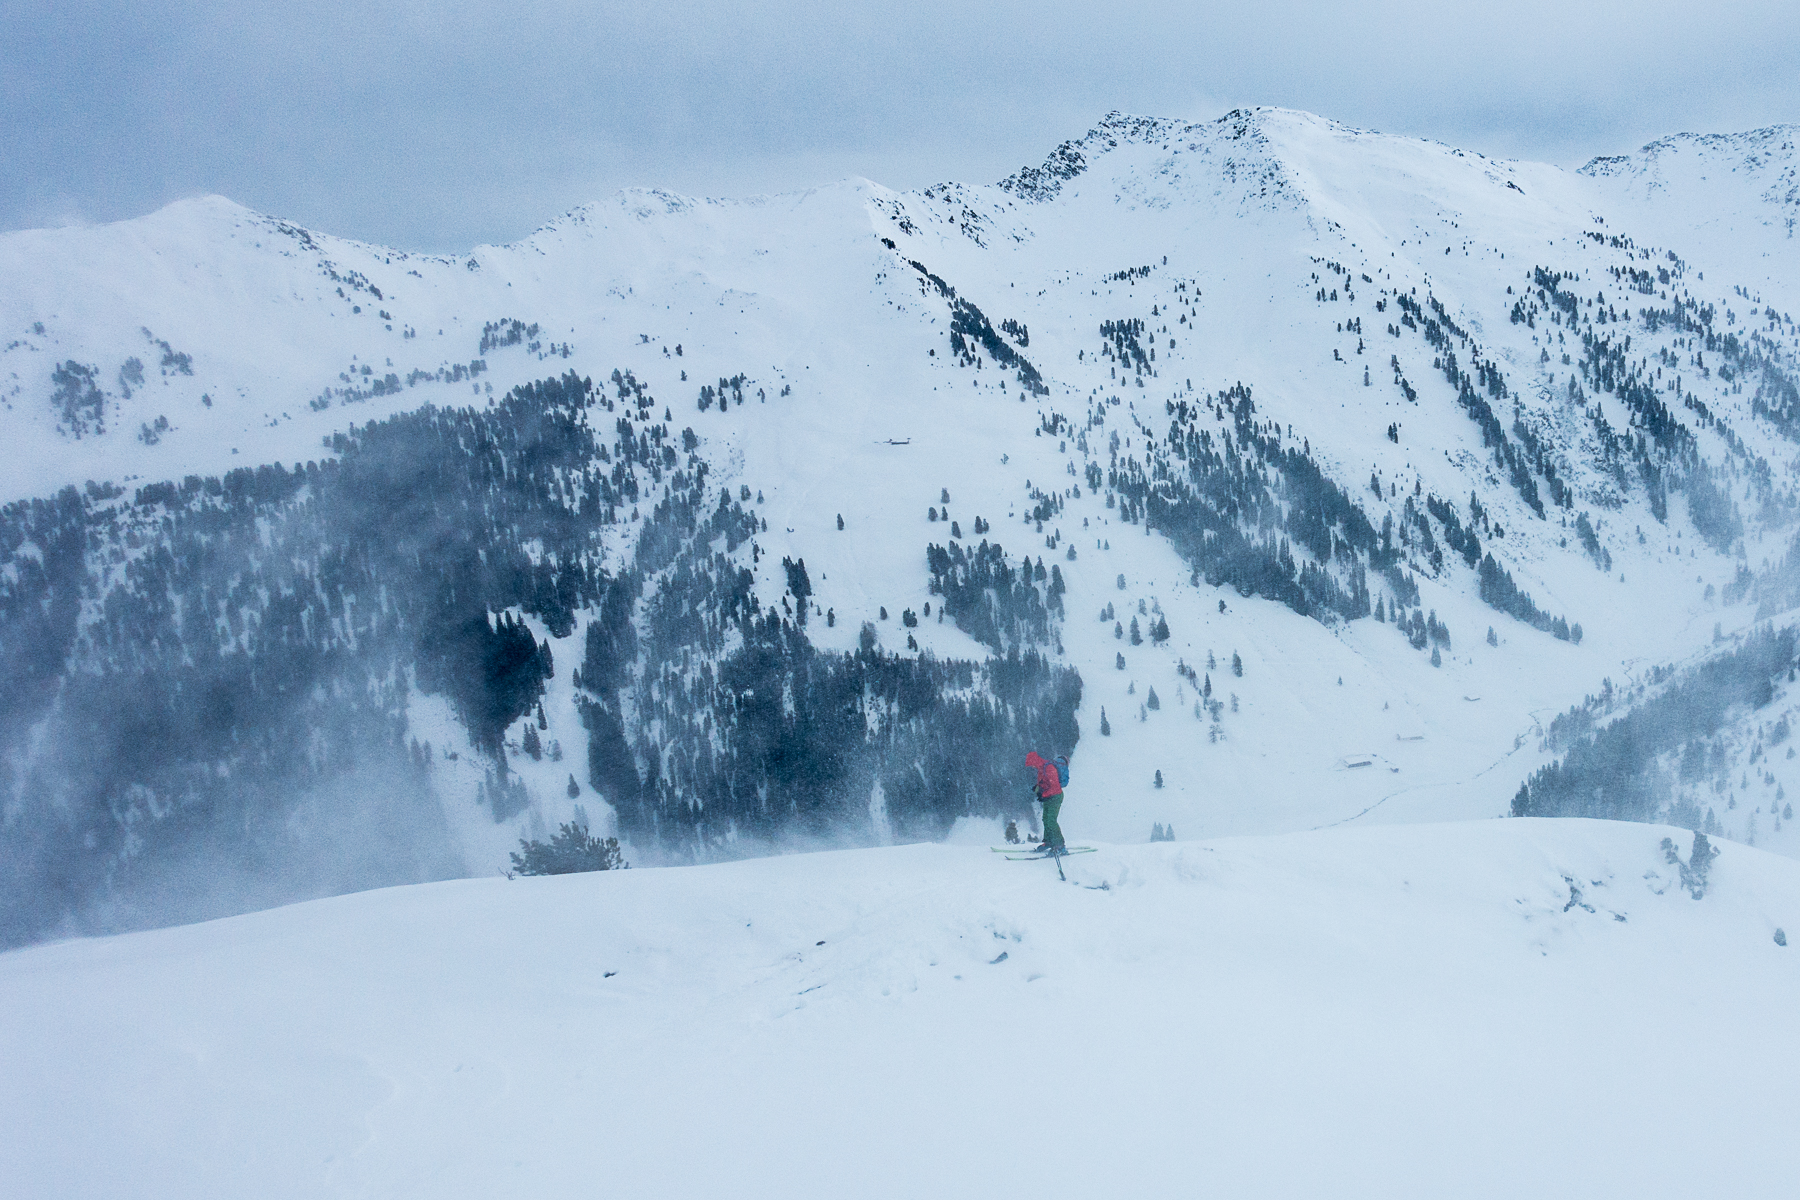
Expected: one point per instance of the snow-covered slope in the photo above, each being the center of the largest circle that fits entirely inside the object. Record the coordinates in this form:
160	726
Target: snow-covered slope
1731	200
1272	249
1490	1009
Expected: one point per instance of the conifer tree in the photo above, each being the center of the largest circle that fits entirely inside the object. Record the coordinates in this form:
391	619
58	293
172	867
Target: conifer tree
570	850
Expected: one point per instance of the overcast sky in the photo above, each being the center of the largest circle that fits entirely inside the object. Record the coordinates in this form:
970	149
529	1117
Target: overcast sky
434	126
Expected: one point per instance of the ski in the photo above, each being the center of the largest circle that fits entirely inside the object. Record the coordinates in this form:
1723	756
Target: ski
1025	849
1064	854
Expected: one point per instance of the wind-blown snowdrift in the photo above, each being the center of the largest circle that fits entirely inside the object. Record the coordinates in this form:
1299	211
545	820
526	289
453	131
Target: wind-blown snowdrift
1487	1009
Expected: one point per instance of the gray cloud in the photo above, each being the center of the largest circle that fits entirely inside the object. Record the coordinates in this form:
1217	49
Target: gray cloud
433	126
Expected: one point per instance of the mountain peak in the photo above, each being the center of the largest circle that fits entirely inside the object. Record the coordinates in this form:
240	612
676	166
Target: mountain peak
1044	182
1255	126
1754	149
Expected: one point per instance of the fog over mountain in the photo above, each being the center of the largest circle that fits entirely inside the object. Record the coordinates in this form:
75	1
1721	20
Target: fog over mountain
432	127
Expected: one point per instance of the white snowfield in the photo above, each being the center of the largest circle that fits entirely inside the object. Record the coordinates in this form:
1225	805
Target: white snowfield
1488	1009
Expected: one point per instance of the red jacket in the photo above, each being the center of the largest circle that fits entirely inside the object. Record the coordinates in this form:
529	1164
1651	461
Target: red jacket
1049	783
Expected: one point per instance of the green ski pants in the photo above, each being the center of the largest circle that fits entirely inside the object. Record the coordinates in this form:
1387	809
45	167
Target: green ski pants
1052	831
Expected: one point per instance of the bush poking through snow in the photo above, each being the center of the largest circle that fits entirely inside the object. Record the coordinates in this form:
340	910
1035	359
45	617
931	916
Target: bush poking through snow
569	851
1694	870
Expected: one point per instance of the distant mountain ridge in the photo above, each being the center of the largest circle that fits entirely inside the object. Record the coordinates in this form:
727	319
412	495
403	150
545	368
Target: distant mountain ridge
1771	148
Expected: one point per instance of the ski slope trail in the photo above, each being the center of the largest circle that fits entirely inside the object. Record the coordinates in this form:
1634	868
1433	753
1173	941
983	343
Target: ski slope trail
1482	1009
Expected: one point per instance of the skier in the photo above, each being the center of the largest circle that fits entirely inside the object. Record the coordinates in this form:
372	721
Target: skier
1050	794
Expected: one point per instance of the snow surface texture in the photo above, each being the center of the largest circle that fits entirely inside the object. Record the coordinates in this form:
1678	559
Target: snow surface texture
1487	1009
256	339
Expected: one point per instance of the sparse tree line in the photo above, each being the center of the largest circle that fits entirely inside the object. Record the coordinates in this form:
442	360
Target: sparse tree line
715	726
971	332
995	604
206	654
1614	771
191	664
1664	449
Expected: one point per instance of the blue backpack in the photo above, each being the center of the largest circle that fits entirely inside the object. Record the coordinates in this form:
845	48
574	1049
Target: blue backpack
1062	769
